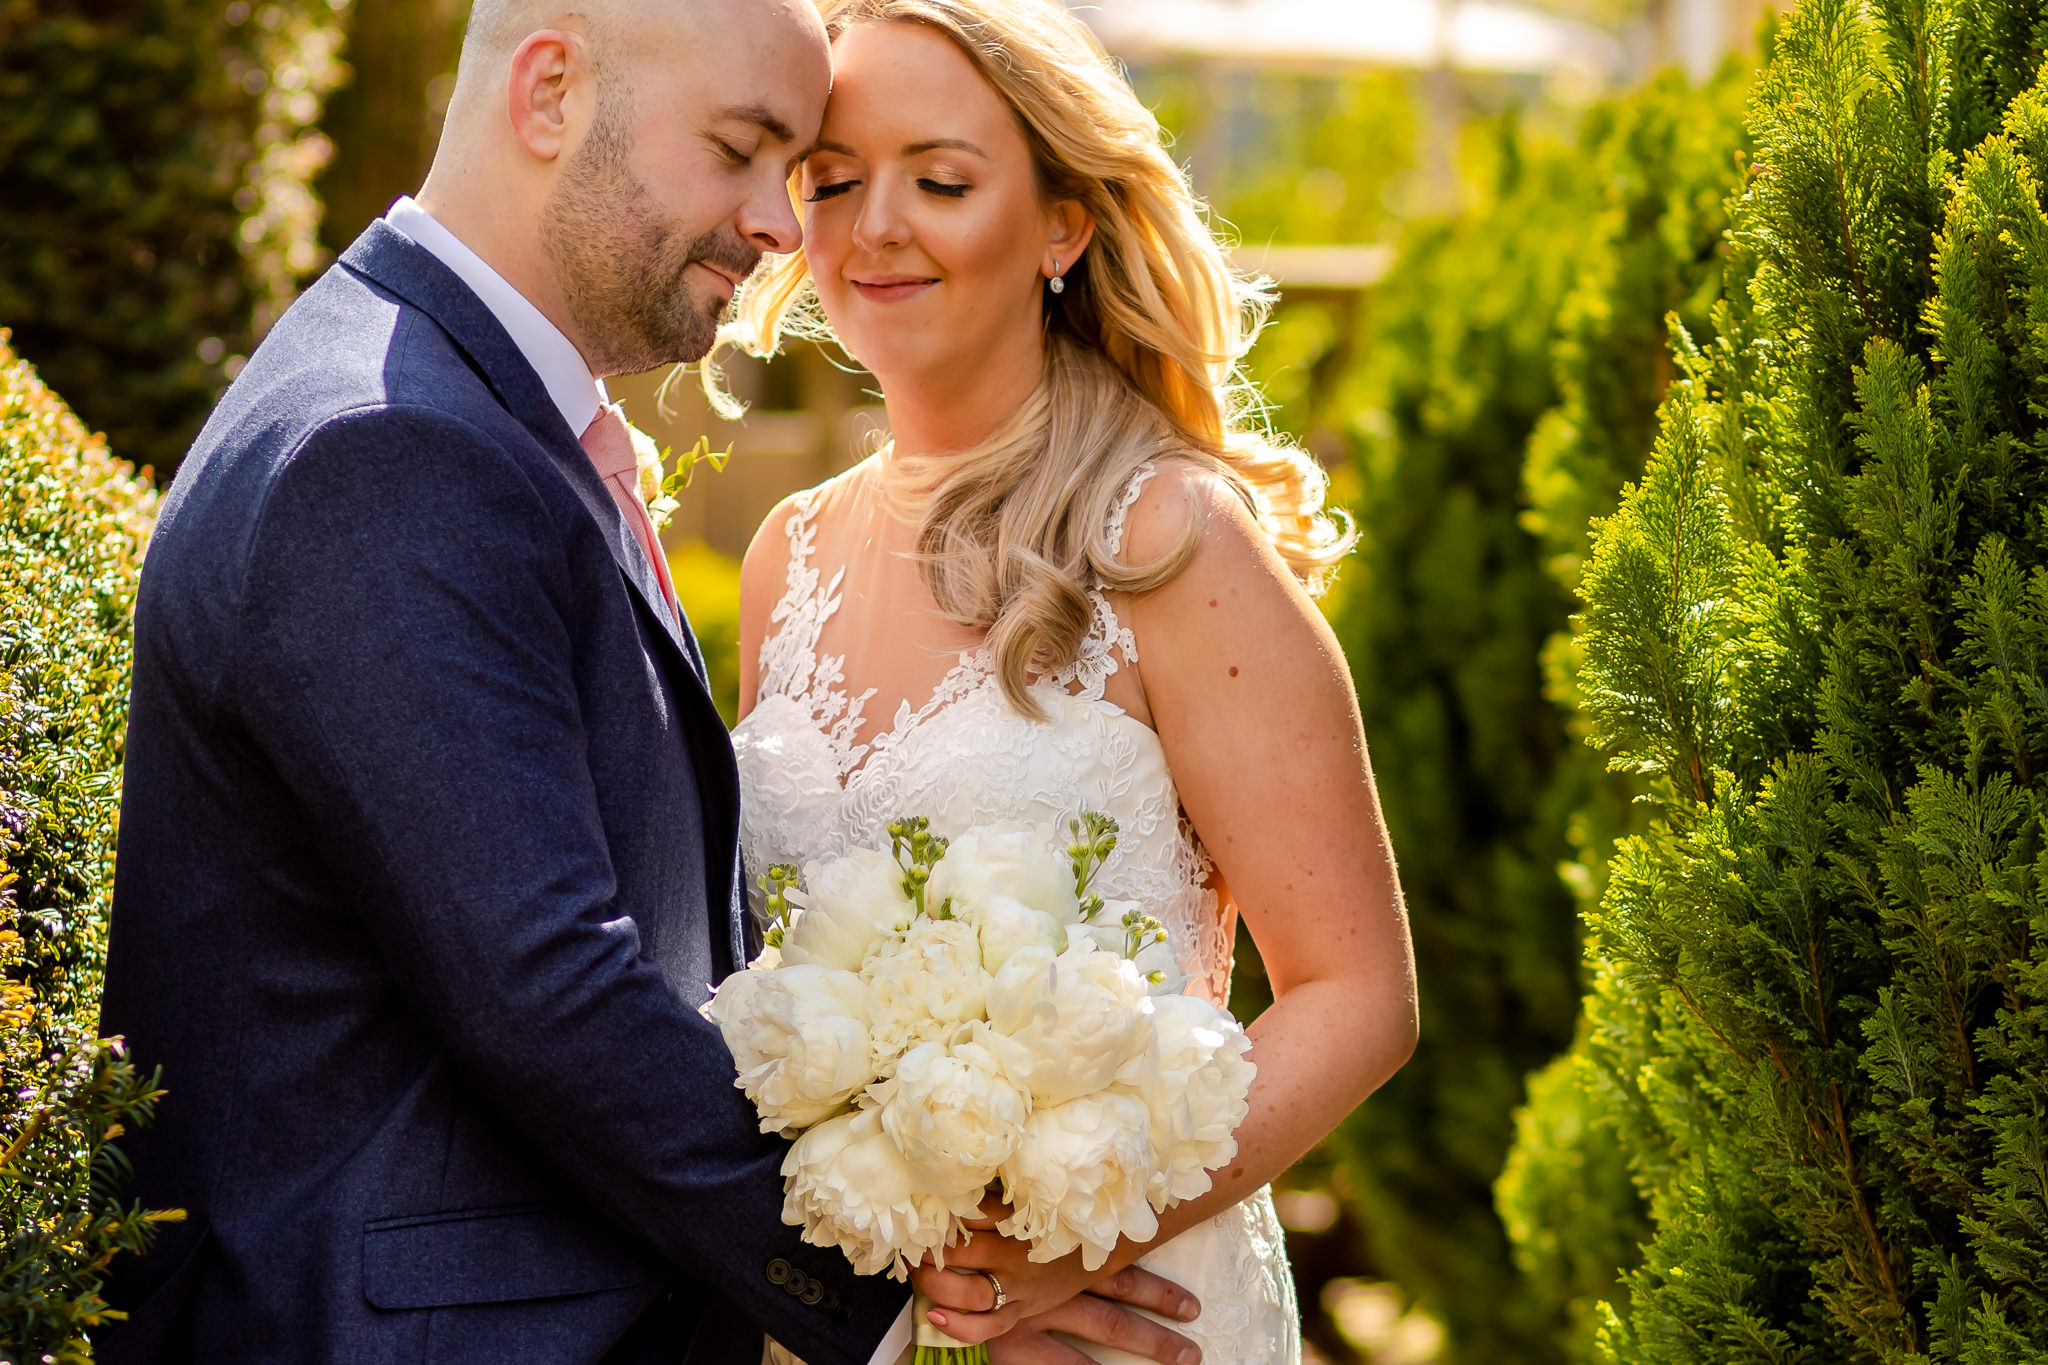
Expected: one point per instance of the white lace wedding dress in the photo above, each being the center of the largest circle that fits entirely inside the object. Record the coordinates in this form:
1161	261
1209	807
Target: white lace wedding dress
812	786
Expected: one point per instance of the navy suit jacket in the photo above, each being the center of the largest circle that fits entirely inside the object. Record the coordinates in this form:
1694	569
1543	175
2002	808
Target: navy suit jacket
428	854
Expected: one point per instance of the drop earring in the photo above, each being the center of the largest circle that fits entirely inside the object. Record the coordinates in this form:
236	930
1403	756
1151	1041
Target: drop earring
1056	284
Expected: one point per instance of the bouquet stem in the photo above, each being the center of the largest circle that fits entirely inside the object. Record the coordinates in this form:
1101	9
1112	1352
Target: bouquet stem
933	1347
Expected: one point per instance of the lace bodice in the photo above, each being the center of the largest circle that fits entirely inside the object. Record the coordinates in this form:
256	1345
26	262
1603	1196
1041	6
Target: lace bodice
813	786
810	788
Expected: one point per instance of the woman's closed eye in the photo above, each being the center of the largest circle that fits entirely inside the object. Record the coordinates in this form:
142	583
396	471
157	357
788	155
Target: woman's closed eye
949	188
820	193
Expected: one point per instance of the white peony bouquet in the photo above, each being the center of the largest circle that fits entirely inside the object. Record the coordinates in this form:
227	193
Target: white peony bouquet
944	1018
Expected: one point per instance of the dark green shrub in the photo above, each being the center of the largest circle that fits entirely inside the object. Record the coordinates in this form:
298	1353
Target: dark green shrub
1653	249
1443	616
72	526
1532	316
1818	629
155	156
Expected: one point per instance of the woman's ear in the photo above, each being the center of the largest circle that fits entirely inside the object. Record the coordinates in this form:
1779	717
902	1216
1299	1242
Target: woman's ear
1072	228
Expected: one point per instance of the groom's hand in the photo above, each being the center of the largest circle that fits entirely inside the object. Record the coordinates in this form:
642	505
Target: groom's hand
1104	1314
1101	1316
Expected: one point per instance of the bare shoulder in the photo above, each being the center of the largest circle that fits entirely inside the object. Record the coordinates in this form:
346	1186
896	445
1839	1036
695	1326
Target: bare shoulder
1232	548
767	557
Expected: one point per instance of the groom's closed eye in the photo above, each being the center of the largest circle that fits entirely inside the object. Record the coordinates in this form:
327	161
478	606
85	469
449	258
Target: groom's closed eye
765	127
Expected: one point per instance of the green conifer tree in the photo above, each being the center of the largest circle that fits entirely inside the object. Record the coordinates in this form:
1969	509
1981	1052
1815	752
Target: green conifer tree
1816	630
1654	249
1536	312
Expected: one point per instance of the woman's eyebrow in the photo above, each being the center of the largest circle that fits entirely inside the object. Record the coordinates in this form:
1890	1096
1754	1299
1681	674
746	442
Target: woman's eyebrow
933	144
915	148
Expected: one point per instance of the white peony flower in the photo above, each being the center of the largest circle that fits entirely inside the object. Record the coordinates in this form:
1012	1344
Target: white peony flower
923	986
1004	925
1028	864
1063	1025
1194	1081
847	1186
954	1114
1079	1177
850	905
1156	962
800	1038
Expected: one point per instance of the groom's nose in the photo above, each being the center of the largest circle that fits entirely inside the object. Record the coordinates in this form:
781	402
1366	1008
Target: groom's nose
768	220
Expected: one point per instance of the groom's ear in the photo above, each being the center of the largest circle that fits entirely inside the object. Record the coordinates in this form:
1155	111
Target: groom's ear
549	93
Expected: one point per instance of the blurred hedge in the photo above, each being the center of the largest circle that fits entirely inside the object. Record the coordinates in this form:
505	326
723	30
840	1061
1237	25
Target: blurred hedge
1653	249
73	522
155	156
1497	390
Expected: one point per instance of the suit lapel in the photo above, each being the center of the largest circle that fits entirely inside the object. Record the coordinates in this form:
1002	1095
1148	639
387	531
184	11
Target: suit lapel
403	267
410	271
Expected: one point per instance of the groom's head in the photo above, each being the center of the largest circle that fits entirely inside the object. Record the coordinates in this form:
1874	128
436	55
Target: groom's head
625	162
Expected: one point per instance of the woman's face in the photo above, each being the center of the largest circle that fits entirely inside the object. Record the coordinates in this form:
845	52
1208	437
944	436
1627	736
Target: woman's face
925	229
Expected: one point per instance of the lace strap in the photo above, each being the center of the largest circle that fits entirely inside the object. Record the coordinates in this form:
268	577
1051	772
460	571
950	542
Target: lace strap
789	662
1088	675
798	581
1113	533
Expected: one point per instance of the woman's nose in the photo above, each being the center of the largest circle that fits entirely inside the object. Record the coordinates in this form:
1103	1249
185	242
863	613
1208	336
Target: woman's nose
880	224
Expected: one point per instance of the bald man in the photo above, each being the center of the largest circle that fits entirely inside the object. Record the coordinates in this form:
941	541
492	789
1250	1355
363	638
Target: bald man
428	844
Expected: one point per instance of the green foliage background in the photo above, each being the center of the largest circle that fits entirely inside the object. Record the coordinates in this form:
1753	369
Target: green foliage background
1496	390
1785	1097
155	159
155	156
73	522
1815	631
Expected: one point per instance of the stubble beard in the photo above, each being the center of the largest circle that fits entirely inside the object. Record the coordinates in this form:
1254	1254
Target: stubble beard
620	262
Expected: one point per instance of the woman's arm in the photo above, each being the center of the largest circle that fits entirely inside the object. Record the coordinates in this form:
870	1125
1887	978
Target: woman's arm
1252	698
1250	695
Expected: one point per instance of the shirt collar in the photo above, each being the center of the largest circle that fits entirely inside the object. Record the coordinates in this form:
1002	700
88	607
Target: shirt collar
561	367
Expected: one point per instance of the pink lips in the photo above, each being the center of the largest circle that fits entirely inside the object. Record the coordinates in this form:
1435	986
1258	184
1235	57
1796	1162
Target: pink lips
893	288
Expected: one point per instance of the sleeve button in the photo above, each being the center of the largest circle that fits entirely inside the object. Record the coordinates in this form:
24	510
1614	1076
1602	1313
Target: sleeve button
813	1292
778	1271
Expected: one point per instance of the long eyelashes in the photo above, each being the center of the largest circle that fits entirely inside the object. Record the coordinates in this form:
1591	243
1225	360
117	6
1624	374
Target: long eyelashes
943	188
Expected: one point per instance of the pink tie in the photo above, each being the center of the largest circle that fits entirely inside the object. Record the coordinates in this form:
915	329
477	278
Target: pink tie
609	441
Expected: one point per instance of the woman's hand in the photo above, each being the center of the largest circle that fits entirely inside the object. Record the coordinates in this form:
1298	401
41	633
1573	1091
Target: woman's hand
965	1294
1043	1297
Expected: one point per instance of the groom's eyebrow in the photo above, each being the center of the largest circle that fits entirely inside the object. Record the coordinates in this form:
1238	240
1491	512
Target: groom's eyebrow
762	117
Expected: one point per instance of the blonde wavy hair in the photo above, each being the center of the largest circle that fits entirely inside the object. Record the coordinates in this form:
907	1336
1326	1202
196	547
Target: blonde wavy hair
1142	361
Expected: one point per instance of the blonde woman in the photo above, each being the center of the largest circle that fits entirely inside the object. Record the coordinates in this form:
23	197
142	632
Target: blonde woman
1077	576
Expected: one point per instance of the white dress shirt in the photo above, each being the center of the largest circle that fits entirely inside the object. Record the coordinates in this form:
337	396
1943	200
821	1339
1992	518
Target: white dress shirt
554	357
577	394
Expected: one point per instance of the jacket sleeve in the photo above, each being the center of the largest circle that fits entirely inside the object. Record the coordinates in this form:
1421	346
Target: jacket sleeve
403	658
